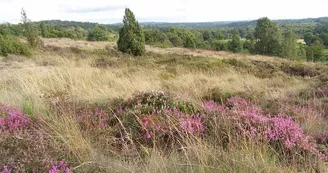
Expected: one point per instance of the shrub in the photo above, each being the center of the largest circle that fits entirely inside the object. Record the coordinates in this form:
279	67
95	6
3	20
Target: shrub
235	45
156	37
189	40
94	119
170	122
99	33
175	39
219	45
150	114
11	45
314	52
299	69
248	120
248	45
32	33
23	147
217	95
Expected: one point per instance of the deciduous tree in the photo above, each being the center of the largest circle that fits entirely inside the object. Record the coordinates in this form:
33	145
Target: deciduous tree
289	45
268	37
235	45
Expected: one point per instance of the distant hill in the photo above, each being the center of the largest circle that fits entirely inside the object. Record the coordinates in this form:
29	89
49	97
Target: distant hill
235	23
69	24
89	25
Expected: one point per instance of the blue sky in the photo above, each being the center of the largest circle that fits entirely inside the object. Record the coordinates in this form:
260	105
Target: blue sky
111	11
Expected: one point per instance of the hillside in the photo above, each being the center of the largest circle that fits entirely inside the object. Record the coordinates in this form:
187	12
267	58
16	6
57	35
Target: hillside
88	25
85	107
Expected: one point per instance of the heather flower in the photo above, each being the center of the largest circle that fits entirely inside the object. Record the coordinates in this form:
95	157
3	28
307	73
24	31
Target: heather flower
97	118
119	111
59	167
212	106
5	170
22	144
148	134
12	119
322	92
249	121
169	120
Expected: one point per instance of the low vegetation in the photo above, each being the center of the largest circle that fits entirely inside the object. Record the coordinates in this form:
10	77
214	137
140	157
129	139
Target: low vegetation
79	106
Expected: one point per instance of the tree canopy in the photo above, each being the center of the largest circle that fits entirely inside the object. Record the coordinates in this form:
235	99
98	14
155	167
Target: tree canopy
268	37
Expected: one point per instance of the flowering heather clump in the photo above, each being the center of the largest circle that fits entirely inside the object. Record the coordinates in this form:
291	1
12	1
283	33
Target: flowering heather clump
97	118
322	92
23	147
170	120
303	113
310	116
214	107
148	101
249	121
5	170
59	167
12	120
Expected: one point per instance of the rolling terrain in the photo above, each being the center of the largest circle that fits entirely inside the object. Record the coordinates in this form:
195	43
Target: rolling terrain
93	109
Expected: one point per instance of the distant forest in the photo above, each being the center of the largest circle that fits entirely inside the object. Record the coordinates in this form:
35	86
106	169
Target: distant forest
298	39
161	25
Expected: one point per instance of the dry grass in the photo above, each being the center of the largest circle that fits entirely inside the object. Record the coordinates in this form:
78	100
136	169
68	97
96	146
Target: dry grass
79	81
65	42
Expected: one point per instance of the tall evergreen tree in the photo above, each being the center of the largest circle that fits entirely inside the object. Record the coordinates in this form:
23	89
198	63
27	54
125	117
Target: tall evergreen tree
268	37
131	36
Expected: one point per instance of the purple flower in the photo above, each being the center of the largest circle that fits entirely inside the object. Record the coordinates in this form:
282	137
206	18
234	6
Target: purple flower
92	119
187	123
5	170
13	120
59	167
249	121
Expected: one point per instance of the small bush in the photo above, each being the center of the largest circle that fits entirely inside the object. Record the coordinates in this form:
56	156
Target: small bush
219	45
11	45
99	33
217	95
298	69
154	113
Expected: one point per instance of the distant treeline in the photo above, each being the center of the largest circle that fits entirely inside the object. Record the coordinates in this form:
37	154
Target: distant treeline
161	25
278	37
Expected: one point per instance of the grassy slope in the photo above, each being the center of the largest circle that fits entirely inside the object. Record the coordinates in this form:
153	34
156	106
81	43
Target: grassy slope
86	75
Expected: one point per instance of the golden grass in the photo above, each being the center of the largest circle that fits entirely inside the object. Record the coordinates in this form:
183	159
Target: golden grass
82	82
66	42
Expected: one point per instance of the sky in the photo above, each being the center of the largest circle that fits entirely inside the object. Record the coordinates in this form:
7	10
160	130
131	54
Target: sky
112	11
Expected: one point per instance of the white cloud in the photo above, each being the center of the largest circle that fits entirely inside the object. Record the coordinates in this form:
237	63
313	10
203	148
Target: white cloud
110	11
